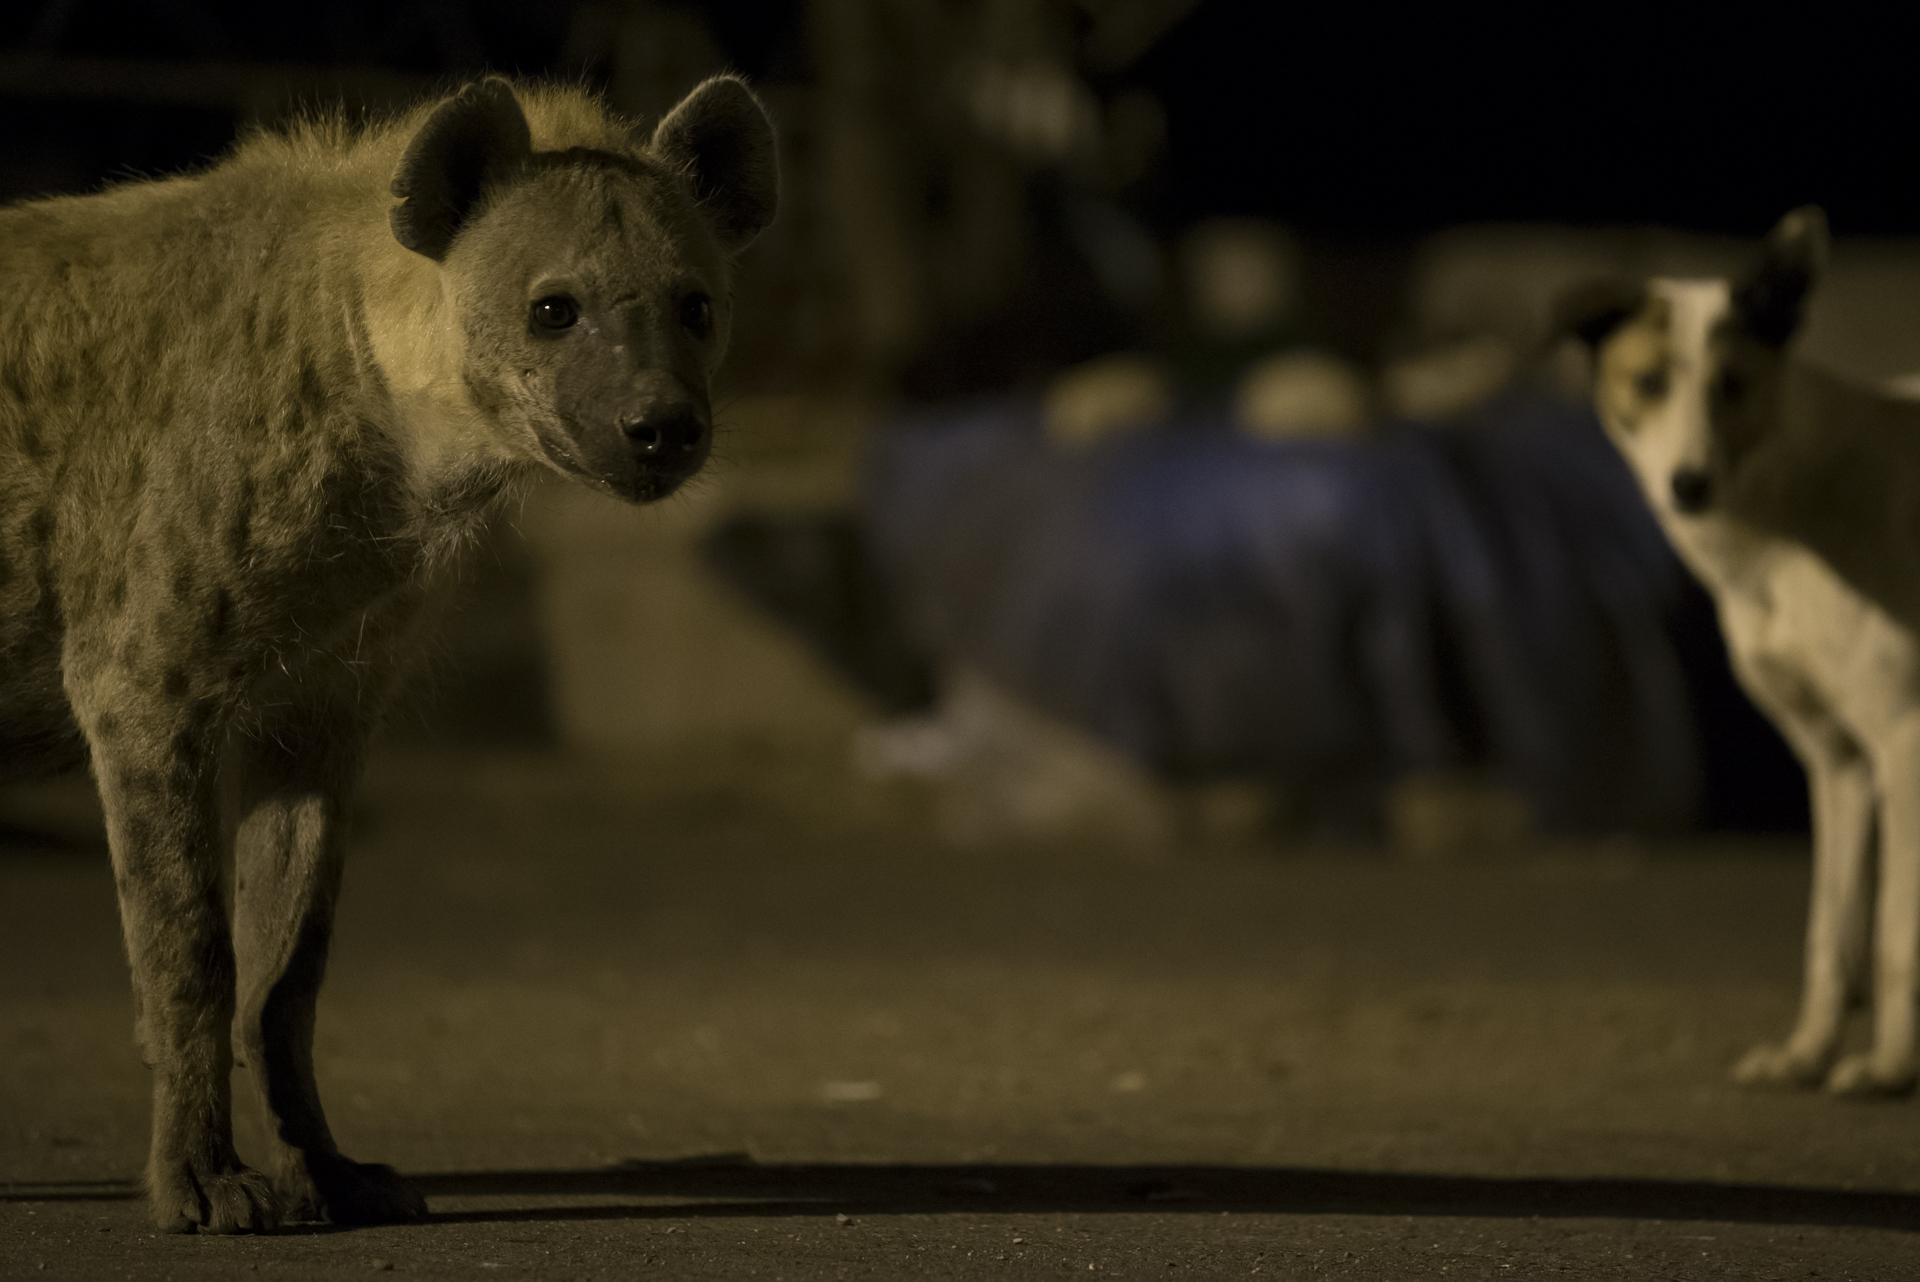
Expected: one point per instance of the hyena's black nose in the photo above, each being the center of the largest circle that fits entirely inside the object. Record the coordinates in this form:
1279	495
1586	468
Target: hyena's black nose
669	433
1692	490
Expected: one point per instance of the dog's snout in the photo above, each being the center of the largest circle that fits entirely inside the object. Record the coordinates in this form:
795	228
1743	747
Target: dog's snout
1692	490
667	433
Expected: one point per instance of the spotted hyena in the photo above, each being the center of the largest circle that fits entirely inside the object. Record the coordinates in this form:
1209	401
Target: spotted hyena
247	420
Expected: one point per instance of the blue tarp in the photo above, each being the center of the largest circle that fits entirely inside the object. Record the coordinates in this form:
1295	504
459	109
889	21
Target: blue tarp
1327	613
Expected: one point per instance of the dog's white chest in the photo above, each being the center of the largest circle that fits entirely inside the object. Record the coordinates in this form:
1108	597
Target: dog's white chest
1784	611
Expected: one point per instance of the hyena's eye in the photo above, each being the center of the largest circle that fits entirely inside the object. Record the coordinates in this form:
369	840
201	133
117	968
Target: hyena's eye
1652	385
552	314
696	313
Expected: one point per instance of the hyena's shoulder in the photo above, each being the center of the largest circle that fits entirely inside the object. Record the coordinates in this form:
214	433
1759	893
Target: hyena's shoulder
200	344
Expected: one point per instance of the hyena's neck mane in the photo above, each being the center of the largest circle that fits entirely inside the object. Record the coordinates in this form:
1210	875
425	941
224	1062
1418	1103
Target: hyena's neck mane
328	155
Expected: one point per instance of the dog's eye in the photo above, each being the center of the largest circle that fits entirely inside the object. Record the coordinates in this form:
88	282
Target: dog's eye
696	313
1731	387
552	314
1652	385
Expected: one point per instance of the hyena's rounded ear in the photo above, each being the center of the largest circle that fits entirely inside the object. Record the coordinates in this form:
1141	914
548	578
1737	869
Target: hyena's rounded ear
721	139
1770	302
1592	311
472	139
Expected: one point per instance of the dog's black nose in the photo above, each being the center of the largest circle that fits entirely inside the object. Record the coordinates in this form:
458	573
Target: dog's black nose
1692	490
667	433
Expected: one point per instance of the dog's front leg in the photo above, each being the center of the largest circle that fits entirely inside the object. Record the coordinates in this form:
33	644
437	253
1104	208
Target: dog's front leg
1888	1067
154	747
294	774
1842	791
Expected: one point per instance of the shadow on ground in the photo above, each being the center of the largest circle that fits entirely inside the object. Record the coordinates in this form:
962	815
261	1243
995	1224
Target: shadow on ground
731	1185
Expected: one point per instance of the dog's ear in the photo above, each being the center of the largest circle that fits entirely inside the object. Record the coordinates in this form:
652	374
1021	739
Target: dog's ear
1592	311
1771	300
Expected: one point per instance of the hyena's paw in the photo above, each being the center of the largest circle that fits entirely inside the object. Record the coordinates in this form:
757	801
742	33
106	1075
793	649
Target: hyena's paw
1864	1077
1782	1065
338	1190
185	1199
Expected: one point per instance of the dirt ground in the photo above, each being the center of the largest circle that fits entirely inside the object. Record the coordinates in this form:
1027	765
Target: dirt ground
698	1015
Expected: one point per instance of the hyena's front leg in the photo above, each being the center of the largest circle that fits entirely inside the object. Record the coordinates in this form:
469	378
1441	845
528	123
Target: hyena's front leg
154	754
294	776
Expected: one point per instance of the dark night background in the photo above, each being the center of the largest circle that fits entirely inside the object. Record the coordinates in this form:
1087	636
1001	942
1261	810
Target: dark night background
1361	128
1395	120
1343	120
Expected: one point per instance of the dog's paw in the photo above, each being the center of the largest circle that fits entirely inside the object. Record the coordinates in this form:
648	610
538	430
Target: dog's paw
185	1199
1864	1077
337	1190
1781	1065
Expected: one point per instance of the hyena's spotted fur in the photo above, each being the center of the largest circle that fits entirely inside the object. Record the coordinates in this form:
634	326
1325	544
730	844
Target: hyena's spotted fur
246	418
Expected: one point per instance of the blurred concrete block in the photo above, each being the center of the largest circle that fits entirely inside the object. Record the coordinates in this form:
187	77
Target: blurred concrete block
1865	320
1005	772
1106	396
1446	815
646	647
1504	281
1449	379
817	574
1302	393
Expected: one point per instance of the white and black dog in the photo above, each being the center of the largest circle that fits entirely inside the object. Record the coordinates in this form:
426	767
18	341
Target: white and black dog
1796	500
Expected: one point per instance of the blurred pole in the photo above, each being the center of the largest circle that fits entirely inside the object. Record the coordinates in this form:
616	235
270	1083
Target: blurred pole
866	52
949	133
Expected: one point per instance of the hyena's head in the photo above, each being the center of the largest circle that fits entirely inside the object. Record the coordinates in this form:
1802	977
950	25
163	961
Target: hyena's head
592	285
1687	372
